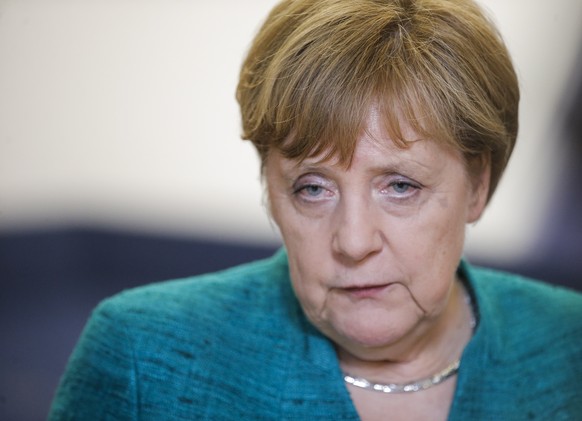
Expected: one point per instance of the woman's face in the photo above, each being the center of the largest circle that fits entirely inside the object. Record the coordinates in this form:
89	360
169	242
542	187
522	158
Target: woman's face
373	249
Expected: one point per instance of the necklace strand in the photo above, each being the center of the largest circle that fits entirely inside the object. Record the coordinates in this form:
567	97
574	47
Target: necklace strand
415	386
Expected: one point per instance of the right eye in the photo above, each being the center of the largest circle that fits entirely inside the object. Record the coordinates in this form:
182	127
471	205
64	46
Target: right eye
311	190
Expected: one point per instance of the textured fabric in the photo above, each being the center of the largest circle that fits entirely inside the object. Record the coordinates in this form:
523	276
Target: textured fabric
236	345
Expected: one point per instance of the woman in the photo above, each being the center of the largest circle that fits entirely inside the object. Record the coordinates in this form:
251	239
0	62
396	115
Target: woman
383	128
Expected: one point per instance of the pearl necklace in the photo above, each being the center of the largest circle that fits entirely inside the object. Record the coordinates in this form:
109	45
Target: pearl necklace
417	385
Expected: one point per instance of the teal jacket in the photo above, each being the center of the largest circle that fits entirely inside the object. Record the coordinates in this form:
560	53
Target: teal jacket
235	345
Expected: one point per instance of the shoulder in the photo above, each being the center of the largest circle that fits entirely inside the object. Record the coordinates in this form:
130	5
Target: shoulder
194	300
527	314
526	346
516	293
152	347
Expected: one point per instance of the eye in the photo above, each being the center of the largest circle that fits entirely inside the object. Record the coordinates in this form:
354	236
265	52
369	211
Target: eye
401	189
312	190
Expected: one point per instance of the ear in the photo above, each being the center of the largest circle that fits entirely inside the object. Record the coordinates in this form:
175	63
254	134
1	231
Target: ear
480	176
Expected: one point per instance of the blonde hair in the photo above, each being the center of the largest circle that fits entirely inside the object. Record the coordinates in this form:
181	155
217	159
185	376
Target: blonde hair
317	66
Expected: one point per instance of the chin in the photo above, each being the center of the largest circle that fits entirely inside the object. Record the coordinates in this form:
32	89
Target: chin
373	338
372	332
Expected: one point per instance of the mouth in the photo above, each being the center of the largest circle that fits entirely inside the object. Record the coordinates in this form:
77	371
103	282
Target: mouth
368	291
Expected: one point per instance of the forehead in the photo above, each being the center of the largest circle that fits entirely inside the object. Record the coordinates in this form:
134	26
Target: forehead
376	149
422	160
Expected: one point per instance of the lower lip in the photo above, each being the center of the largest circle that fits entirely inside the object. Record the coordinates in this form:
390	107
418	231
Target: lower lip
367	292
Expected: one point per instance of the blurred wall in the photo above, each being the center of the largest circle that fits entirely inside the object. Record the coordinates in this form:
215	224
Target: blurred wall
122	114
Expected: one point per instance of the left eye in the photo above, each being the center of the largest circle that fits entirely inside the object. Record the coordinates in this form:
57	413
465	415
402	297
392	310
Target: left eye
401	187
312	190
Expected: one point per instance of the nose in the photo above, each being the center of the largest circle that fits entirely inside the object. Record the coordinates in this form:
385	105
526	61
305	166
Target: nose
357	234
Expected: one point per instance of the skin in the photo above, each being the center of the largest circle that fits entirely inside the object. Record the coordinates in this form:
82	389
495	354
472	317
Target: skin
373	249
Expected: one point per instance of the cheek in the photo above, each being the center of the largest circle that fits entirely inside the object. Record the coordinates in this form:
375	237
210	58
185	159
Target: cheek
305	244
310	267
307	278
306	257
433	255
436	233
306	239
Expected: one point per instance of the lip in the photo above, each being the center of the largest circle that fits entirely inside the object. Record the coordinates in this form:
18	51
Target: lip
366	291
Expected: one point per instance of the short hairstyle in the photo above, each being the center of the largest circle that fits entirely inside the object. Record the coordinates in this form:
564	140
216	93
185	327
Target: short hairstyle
317	66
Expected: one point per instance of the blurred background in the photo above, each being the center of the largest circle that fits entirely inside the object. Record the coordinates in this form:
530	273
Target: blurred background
121	162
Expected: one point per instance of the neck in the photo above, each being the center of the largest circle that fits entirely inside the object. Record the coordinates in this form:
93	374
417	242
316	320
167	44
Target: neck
435	344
